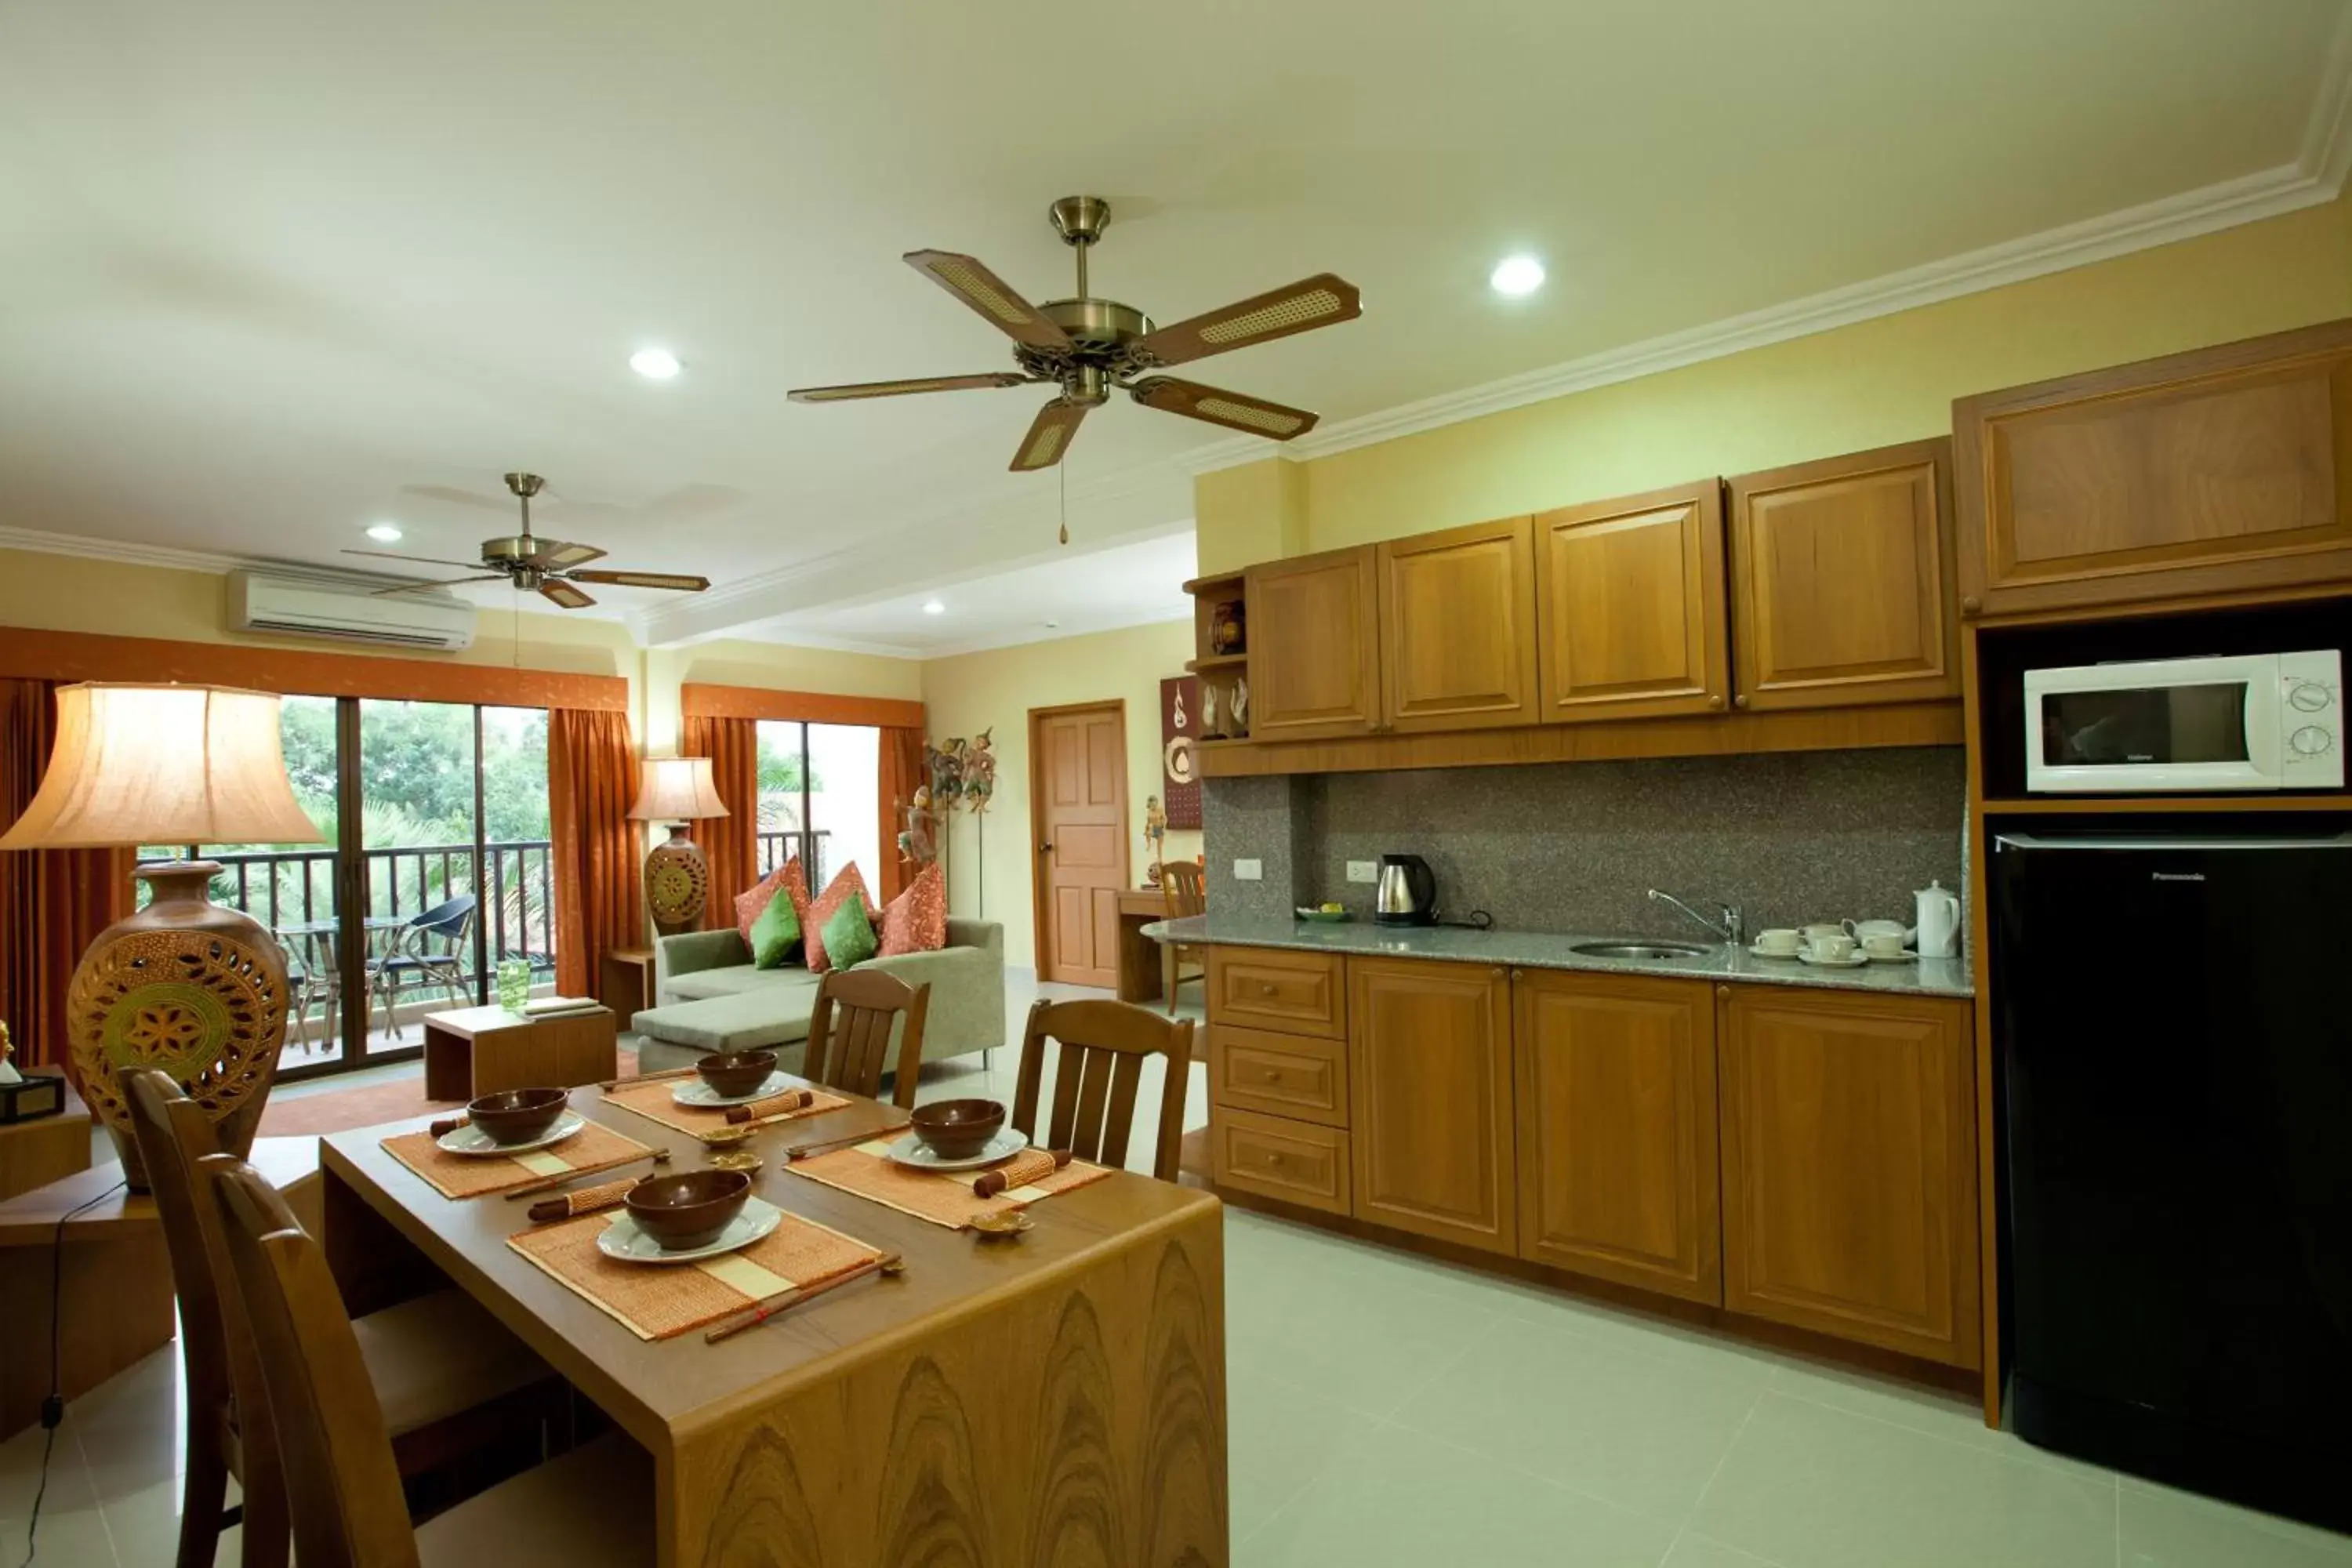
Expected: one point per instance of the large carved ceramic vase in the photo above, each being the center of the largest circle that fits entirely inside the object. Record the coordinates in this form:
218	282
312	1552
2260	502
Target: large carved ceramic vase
677	884
188	988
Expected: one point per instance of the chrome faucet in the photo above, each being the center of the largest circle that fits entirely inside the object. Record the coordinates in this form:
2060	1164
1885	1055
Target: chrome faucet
1733	930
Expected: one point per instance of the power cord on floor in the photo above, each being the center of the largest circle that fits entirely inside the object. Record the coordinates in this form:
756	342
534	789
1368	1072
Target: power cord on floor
53	1408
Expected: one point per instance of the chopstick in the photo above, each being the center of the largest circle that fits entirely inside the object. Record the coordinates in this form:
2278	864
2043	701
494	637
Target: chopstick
648	1077
548	1184
820	1145
753	1316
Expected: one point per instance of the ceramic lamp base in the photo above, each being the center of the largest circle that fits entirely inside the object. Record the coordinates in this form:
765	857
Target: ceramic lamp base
188	988
677	883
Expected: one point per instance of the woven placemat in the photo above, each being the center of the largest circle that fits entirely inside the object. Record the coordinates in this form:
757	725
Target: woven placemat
654	1101
592	1148
661	1301
927	1194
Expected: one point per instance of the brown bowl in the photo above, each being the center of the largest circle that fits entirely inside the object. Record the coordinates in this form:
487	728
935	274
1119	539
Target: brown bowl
517	1115
957	1129
734	1074
687	1210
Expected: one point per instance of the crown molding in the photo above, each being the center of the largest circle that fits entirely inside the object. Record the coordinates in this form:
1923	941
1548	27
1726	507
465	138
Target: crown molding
2327	134
123	552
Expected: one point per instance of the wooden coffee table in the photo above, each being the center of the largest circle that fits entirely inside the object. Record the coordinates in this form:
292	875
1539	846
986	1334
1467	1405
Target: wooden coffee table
475	1051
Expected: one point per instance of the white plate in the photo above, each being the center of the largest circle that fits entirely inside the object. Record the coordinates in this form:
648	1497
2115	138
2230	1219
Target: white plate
623	1240
1905	957
1755	952
911	1152
693	1091
1852	961
472	1140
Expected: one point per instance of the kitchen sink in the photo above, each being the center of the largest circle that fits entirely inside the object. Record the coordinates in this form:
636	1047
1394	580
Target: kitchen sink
1639	950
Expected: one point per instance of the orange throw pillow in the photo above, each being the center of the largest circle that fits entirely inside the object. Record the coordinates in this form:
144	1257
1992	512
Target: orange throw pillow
752	902
848	880
917	920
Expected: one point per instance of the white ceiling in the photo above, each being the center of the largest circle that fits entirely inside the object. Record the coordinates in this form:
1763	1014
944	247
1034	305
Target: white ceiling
268	268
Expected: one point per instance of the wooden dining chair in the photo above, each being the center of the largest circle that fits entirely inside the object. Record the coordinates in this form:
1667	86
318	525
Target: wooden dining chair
849	1033
447	1375
1184	888
592	1506
1104	1045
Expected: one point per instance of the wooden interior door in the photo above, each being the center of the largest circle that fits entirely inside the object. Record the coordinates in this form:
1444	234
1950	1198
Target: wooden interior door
1848	1166
1429	1074
1617	1136
1457	627
1078	793
1630	599
1314	645
1842	580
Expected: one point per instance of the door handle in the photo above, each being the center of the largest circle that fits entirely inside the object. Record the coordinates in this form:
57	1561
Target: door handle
1045	849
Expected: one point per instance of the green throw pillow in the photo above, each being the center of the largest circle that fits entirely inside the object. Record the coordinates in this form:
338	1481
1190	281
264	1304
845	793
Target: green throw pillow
849	939
776	934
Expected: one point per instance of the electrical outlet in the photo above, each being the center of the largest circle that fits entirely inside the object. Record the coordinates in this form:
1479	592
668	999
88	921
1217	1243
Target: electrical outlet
1363	870
1249	871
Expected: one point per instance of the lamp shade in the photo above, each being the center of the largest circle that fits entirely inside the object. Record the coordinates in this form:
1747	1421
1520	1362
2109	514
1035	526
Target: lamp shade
677	789
162	764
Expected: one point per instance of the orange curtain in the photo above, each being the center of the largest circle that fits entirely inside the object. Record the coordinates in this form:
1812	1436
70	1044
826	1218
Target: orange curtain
730	843
591	780
53	902
902	775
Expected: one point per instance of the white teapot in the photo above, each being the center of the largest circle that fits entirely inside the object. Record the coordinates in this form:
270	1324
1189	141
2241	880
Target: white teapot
1940	920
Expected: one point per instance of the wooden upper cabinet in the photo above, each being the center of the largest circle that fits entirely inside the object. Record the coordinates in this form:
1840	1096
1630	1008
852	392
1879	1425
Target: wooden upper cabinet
1617	1129
2217	471
1458	627
1842	580
1848	1166
1428	1075
1629	606
1314	642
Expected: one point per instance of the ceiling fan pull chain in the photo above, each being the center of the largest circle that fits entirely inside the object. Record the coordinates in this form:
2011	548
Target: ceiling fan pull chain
1063	471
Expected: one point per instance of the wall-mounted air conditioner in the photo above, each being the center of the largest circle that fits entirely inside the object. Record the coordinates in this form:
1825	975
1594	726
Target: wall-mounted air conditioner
282	605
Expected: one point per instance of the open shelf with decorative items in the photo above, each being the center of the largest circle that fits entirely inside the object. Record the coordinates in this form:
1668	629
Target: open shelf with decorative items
1220	655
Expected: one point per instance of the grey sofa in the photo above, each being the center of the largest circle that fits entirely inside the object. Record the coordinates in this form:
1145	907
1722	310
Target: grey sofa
709	997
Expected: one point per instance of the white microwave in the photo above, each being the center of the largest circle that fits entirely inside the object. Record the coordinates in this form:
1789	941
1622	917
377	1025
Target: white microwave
2258	722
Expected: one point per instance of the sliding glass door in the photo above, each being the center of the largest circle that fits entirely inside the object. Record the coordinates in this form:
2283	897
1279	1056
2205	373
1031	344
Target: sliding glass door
818	788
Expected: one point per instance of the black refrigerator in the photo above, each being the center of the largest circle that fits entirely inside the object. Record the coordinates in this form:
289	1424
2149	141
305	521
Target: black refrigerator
2175	1033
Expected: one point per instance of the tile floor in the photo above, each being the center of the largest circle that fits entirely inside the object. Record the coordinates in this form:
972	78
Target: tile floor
1384	1408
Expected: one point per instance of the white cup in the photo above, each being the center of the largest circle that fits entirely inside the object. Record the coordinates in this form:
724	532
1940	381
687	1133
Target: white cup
1882	944
1784	943
1835	948
1816	932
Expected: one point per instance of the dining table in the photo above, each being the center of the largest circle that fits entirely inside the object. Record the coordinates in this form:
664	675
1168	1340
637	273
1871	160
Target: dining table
1055	1396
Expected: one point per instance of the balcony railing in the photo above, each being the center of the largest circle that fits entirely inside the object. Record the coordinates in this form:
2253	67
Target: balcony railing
290	889
813	847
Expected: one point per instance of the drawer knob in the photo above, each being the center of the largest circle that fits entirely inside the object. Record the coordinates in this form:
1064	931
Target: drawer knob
1723	991
1971	604
1740	701
1273	1075
1273	1157
1265	988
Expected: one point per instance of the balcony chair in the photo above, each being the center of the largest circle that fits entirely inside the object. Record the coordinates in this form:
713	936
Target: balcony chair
415	960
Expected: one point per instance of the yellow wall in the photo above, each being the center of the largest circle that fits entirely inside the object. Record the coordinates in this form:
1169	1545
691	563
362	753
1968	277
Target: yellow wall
972	692
1869	385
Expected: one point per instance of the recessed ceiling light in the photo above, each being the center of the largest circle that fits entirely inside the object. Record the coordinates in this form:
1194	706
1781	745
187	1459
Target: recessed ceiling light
1516	275
385	533
933	607
1053	626
654	365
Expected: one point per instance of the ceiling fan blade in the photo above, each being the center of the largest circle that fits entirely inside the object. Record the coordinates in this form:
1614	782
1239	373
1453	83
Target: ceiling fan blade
985	291
564	594
452	582
1050	435
417	560
555	555
677	580
901	388
1322	300
1234	410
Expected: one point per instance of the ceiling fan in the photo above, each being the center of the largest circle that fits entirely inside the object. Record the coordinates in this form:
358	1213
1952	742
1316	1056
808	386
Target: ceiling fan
1087	346
548	567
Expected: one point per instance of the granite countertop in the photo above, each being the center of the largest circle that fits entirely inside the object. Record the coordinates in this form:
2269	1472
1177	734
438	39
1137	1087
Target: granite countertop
1552	950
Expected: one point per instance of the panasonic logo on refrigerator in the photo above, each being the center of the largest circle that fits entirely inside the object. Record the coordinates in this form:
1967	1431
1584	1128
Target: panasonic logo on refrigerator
2177	876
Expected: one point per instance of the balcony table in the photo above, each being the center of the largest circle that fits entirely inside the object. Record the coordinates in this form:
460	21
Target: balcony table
1060	1397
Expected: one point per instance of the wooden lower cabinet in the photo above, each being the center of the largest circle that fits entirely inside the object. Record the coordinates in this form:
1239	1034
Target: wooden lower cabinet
1429	1070
1278	1075
1848	1166
1268	988
1295	1162
1615	1077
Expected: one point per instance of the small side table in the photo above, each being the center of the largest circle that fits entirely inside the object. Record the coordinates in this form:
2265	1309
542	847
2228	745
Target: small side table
47	1148
628	982
475	1051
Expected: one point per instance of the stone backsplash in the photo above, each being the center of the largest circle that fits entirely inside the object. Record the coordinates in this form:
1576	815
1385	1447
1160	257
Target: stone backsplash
1789	836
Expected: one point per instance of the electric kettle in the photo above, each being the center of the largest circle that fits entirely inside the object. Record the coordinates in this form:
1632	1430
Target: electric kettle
1407	894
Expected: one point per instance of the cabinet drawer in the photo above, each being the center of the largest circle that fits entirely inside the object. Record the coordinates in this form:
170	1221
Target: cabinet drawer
1265	988
1297	1161
1282	1075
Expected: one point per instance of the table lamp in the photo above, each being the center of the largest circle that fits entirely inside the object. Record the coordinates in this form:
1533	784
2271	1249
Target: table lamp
184	984
677	790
